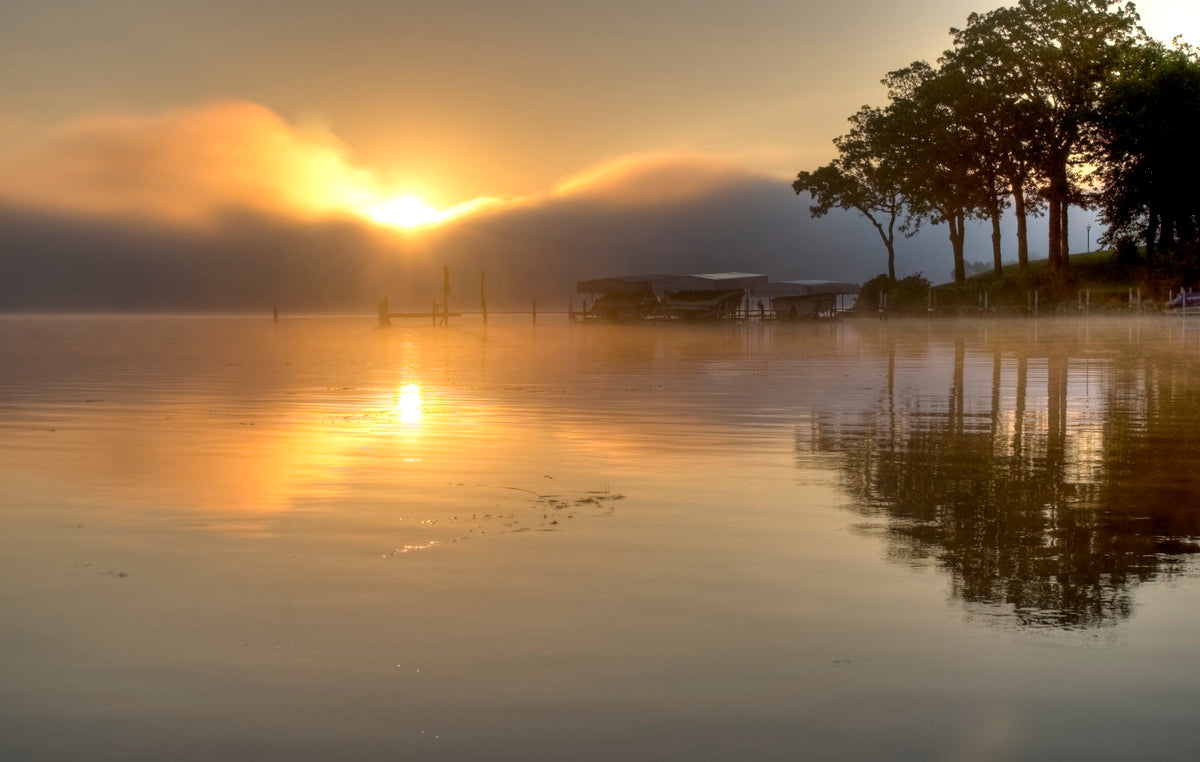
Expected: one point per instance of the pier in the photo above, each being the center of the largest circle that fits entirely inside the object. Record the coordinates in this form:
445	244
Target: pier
440	311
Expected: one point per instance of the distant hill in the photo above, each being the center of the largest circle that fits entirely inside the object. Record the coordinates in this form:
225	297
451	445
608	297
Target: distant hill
250	262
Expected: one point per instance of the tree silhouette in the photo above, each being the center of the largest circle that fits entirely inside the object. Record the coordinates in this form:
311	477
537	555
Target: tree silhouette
1012	111
1149	151
864	177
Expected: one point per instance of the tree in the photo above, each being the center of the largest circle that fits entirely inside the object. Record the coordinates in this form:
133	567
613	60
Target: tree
1149	154
982	112
864	178
1014	111
1005	120
940	177
1050	59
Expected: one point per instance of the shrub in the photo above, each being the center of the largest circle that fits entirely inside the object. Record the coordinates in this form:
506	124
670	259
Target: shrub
906	296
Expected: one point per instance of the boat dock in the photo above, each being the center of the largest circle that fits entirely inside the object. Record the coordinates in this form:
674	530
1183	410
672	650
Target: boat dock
711	296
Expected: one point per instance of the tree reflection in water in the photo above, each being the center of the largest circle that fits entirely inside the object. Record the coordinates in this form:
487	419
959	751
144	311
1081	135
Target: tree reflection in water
1050	483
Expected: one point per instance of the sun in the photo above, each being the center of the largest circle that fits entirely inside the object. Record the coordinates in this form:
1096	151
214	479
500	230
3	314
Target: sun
403	212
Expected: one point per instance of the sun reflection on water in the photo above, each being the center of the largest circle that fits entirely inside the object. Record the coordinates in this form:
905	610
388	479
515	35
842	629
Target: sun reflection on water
408	404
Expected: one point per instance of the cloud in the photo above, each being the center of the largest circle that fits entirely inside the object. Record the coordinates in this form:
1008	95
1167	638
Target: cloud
186	166
653	178
636	180
227	207
193	165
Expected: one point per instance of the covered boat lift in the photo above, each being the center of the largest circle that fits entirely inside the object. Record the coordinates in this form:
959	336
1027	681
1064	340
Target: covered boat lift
711	296
706	296
622	299
703	296
797	299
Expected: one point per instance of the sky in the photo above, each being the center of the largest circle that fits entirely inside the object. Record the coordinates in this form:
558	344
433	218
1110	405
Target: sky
190	116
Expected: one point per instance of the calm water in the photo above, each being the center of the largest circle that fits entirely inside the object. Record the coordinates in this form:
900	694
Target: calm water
225	538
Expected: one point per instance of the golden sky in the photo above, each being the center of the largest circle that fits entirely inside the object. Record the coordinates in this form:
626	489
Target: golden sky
445	102
303	155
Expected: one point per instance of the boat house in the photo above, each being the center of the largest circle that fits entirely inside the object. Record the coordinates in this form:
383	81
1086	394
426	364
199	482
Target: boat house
630	297
795	299
710	296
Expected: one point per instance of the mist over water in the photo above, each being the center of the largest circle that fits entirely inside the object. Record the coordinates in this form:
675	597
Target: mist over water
313	538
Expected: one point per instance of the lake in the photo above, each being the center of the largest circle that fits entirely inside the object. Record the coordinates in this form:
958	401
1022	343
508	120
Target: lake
231	538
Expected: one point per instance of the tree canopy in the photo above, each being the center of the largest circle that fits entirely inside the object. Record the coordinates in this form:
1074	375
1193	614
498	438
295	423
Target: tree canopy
1041	105
864	177
1149	154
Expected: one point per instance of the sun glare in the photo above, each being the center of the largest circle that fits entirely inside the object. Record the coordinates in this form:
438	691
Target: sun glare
409	404
403	212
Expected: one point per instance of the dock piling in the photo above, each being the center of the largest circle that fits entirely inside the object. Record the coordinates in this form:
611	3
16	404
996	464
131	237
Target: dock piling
445	294
385	314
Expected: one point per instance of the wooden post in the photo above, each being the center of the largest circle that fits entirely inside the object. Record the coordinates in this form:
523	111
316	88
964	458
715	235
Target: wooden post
275	314
445	294
482	297
535	310
433	311
385	319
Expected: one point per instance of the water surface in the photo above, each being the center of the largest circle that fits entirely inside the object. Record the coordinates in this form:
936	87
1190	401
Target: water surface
227	537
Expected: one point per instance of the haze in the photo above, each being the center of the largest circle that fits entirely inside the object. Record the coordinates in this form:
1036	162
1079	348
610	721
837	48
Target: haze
320	150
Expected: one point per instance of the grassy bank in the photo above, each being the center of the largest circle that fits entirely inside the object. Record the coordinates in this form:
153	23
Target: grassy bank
1097	282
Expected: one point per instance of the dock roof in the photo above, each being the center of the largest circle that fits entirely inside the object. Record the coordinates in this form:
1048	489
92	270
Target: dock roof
759	285
804	288
624	284
709	282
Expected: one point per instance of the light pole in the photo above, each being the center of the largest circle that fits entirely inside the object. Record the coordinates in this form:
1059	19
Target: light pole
1089	237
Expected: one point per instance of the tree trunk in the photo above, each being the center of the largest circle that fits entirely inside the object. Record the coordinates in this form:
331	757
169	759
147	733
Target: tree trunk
1057	198
1166	234
957	222
1151	235
1054	233
1186	228
1066	233
1018	194
889	241
999	265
